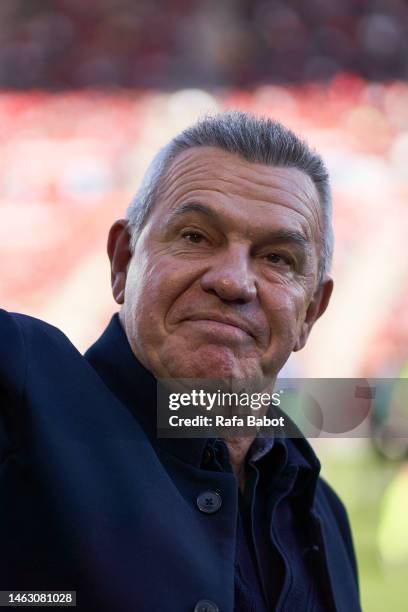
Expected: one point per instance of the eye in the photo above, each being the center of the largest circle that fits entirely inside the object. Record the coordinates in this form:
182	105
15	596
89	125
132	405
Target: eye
275	258
194	237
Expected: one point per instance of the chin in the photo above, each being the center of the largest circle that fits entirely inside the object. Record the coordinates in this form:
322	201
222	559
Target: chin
211	363
214	371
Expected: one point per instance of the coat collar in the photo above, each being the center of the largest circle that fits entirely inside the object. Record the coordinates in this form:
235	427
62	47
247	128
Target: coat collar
136	387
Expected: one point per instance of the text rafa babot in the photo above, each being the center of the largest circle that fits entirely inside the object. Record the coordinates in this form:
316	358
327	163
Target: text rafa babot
233	421
217	399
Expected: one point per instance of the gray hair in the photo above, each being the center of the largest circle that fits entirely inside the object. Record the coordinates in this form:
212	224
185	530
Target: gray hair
258	140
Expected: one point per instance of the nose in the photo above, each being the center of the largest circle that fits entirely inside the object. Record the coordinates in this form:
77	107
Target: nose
230	276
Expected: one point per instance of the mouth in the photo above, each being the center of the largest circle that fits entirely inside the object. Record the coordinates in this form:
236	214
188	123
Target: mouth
221	324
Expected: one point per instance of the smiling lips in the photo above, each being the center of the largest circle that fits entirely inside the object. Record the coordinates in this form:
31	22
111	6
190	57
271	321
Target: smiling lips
228	321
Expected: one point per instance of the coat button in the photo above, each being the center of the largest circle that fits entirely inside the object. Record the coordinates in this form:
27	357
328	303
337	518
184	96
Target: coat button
205	605
209	502
313	551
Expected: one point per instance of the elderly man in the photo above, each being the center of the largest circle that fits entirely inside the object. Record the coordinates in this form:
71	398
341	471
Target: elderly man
220	270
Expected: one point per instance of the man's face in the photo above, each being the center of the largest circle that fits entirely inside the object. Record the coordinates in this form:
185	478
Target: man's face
223	279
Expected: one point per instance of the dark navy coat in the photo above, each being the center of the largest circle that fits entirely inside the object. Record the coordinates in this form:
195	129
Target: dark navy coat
91	502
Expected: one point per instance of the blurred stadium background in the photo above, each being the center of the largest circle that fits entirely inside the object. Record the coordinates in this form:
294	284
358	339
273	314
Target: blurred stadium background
90	90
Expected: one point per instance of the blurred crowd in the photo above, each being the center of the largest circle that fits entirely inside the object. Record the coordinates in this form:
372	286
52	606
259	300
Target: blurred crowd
169	44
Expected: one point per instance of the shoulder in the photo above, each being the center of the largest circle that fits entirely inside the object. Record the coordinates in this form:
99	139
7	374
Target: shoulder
24	339
28	349
16	331
16	326
12	348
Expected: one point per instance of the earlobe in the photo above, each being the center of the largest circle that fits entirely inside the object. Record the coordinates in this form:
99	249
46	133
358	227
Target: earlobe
118	287
119	254
316	308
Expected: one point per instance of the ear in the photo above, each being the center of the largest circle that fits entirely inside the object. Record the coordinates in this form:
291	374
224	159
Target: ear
119	255
316	308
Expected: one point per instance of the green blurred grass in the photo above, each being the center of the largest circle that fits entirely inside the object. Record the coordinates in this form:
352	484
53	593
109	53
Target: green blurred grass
360	478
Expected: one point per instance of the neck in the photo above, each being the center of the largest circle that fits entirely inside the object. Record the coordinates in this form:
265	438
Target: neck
238	448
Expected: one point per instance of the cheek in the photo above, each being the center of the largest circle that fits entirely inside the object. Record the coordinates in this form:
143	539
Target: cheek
286	312
285	321
153	286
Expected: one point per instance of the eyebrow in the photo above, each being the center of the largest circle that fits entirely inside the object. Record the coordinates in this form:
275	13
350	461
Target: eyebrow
188	207
288	236
279	236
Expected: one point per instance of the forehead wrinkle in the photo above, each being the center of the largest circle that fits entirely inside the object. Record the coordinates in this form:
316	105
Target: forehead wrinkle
304	194
203	194
199	157
190	192
178	165
199	166
173	181
181	194
198	184
299	194
222	173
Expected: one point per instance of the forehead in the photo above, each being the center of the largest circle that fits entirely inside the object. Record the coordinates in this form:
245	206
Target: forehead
229	182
